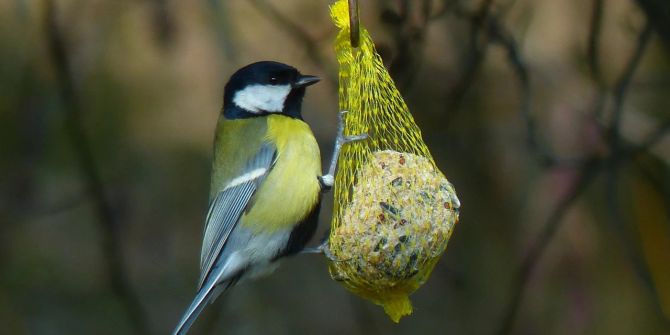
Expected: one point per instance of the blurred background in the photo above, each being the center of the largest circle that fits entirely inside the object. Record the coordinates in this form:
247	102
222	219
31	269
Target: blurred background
550	118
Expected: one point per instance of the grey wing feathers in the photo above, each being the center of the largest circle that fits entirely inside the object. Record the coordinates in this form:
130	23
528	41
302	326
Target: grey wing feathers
229	204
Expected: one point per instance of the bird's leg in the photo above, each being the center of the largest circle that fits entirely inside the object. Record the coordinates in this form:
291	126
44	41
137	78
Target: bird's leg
328	179
322	248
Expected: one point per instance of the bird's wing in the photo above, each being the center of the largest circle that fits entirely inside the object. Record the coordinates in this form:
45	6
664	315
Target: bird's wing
229	204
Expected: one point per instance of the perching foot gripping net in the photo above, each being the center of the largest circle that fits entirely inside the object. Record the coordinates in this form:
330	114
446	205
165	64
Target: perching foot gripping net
394	211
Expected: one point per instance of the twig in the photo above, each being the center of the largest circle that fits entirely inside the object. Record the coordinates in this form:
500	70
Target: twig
163	23
617	152
475	57
618	157
589	169
408	39
481	15
593	57
111	243
299	34
658	14
223	29
654	137
594	40
586	175
624	234
623	83
500	35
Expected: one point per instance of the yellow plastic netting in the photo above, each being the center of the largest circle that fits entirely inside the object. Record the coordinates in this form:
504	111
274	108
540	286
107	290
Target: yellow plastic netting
394	210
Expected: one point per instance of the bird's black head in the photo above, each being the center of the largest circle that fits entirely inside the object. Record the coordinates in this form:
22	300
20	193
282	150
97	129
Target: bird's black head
265	88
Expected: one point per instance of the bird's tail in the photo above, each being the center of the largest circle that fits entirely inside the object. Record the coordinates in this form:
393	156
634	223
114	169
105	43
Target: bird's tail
199	302
207	293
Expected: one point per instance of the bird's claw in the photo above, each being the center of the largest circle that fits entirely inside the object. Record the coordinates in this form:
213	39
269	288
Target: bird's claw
320	249
328	179
354	138
341	139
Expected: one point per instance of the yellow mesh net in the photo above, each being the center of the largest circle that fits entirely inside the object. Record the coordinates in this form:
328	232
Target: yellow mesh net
394	211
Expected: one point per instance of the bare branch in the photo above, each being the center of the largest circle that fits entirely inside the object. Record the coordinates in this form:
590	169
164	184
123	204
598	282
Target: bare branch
585	176
163	23
658	14
477	49
594	40
618	157
593	57
623	83
589	169
408	36
111	241
500	35
299	34
623	232
654	137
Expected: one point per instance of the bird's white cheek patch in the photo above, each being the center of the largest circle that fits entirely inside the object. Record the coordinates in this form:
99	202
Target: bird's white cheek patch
262	98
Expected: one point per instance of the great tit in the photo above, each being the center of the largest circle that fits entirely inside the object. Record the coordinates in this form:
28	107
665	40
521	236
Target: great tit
266	182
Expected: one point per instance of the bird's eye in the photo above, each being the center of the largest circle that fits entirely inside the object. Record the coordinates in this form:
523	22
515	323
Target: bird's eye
273	80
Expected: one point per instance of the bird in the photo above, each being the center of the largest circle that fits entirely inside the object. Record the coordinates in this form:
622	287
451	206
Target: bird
266	181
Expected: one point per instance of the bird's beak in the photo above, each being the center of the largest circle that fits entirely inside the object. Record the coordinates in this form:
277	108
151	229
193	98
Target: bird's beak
305	80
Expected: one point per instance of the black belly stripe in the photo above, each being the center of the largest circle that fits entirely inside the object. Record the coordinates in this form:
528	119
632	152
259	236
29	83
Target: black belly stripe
302	233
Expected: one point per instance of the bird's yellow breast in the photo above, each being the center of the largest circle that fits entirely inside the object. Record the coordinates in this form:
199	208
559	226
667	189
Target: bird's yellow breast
291	189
